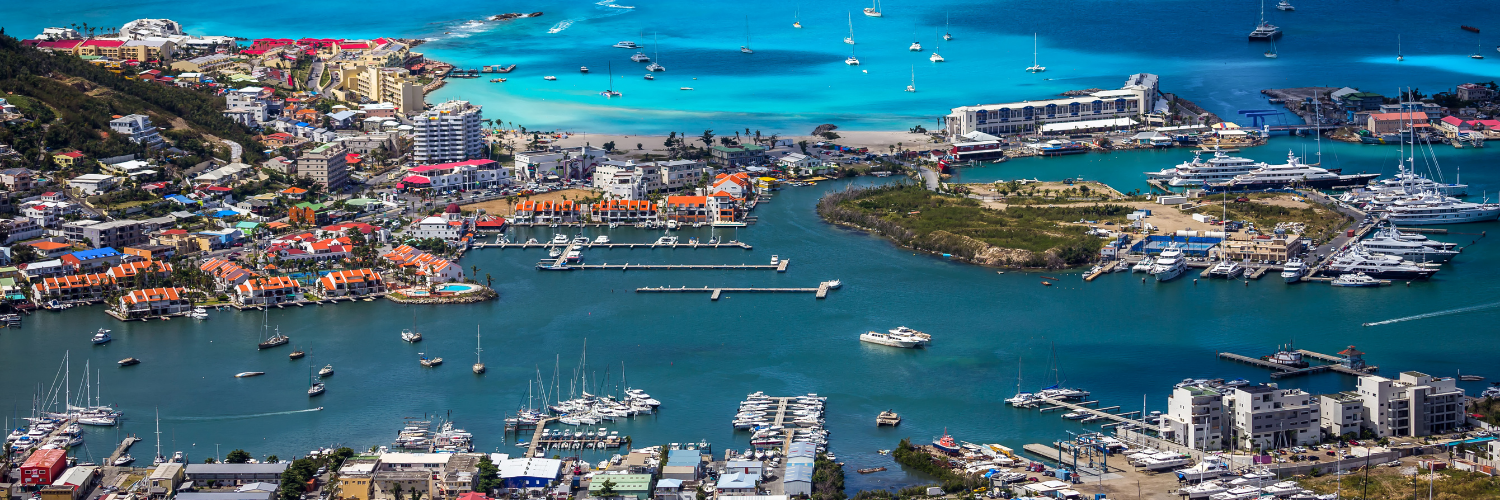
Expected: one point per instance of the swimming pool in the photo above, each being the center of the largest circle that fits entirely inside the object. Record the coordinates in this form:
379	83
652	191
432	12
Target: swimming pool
456	288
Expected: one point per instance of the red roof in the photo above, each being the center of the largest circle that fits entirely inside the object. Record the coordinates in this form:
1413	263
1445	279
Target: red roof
175	231
416	179
57	44
71	154
94	42
446	166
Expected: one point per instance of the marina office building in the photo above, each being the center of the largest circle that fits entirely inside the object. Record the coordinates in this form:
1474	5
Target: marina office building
1140	96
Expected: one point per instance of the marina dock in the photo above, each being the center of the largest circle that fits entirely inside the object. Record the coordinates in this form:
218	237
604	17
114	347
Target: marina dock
1282	371
820	292
548	265
121	449
729	244
1097	414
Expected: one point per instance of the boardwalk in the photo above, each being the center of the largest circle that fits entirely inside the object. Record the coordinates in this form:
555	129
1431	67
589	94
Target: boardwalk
536	436
715	292
560	265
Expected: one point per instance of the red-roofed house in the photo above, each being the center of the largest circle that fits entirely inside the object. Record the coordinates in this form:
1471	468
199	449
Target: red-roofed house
51	249
294	192
100	47
356	282
154	302
547	211
226	273
1390	123
372	233
267	291
67	159
75	288
627	211
737	185
1453	124
425	266
131	274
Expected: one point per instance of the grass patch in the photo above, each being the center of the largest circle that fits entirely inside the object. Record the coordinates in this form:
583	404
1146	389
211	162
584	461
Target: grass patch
924	220
1322	223
1390	484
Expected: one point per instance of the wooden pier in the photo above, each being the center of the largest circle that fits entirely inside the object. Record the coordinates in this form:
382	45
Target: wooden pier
820	292
1108	268
1282	371
536	436
119	450
559	265
1100	414
729	244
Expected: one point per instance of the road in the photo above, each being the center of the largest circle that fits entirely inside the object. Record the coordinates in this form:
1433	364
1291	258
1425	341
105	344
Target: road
236	151
929	177
314	75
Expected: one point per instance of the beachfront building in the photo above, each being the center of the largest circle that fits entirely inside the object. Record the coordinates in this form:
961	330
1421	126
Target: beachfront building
568	163
267	291
1267	417
154	302
739	156
1416	404
624	211
1195	418
137	129
72	288
547	211
327	165
449	132
1136	99
467	174
354	282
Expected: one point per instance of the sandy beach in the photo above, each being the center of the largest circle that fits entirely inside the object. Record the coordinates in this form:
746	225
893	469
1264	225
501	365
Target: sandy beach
877	141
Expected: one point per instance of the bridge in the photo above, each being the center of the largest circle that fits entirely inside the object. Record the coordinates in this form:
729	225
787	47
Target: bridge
1258	116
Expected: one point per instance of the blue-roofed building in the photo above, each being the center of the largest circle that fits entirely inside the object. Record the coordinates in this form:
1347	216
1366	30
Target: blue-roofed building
686	465
737	483
798	479
807	450
180	199
97	260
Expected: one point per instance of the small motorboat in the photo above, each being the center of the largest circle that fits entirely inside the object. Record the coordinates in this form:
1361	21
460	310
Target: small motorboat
583	69
248	374
870	470
124	460
649	76
102	337
550	78
129	362
326	371
834	285
684	88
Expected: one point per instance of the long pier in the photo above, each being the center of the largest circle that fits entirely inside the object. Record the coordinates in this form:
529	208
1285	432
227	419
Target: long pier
536	436
121	450
1101	414
550	265
1282	371
729	244
715	292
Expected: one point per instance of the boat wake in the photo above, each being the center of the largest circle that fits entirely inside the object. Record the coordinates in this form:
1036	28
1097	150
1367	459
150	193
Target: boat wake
561	25
1435	314
241	417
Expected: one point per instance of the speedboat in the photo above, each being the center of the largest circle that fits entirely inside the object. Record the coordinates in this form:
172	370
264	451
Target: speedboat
102	337
326	371
550	78
248	374
199	313
834	285
1076	415
129	362
1285	5
583	69
124	460
650	76
1293	270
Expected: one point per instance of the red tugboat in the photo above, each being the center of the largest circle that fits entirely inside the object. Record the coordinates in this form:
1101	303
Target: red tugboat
946	444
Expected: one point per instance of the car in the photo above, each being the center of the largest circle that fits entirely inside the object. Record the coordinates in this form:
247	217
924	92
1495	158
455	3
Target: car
1349	456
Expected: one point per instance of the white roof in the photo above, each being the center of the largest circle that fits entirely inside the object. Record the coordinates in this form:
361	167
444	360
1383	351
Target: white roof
254	90
416	458
91	178
977	136
1115	93
1087	124
530	467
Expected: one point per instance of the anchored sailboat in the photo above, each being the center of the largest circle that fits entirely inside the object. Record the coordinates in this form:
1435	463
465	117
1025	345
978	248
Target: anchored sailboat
913	86
947	33
746	47
1399	57
1272	53
1035	68
655	56
850	39
611	92
478	364
797	18
874	9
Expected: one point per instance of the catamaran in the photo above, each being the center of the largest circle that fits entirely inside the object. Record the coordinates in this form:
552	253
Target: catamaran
874	9
1035	68
913	86
746	47
656	54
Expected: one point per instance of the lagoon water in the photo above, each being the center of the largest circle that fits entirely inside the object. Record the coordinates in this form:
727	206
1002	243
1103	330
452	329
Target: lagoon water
1119	337
1123	339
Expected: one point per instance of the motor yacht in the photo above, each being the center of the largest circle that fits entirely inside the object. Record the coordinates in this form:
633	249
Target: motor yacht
602	239
627	45
1294	172
1226	269
1285	5
1358	280
1357	259
559	239
102	337
1293	270
326	371
892	340
1389	241
1169	265
1197	172
1432	208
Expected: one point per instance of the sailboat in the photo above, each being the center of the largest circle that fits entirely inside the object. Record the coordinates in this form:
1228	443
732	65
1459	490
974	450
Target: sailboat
935	57
915	45
913	86
611	92
947	34
1399	57
852	61
478	365
797	18
160	459
874	9
746	47
1035	68
850	39
317	385
1477	49
655	57
1272	53
412	336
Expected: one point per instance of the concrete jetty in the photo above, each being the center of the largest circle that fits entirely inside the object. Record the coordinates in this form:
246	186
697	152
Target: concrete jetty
552	265
1282	371
715	292
121	449
728	244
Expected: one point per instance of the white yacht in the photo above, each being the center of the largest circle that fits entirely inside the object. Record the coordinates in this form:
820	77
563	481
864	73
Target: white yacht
1203	490
1432	208
627	45
559	239
852	61
1197	172
1169	265
1390	242
915	46
1294	172
935	57
1358	260
199	313
1226	269
1204	470
922	337
1293	270
1285	5
640	57
892	340
1144	266
874	9
1411	182
602	239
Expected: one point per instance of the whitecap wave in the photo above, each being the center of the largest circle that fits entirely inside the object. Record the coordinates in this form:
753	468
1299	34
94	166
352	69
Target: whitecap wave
561	25
621	6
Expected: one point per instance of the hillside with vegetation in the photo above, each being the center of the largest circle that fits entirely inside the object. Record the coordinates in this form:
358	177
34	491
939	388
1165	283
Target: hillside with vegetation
67	103
1028	237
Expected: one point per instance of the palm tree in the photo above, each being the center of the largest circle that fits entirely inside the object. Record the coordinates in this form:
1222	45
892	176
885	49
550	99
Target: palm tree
707	138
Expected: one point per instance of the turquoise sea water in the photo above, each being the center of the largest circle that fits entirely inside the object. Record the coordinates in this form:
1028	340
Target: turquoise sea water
796	77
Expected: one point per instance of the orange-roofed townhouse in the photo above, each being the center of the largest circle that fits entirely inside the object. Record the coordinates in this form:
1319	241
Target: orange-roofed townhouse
154	302
354	282
688	209
75	288
624	211
724	207
226	273
439	270
737	185
548	211
267	291
133	274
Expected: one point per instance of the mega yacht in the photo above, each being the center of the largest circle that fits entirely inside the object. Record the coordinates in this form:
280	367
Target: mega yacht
922	337
1294	172
888	339
1226	269
1407	182
1197	172
1390	242
1359	260
1204	470
1169	265
1293	270
1432	208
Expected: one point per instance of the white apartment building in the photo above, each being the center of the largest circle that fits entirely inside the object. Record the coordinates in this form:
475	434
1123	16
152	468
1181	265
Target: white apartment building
246	107
1268	417
1417	404
1342	414
468	174
449	132
628	180
137	128
48	213
450	227
575	163
1195	417
1137	98
21	229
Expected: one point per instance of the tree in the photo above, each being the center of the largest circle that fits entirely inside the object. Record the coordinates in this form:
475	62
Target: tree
607	489
639	147
273	459
488	281
237	456
707	138
23	254
208	460
609	146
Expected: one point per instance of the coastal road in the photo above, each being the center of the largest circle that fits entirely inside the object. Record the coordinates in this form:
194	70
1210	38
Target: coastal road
929	177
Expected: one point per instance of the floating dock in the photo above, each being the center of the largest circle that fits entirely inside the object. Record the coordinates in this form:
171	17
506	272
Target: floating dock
1101	414
730	244
1283	371
548	265
820	292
